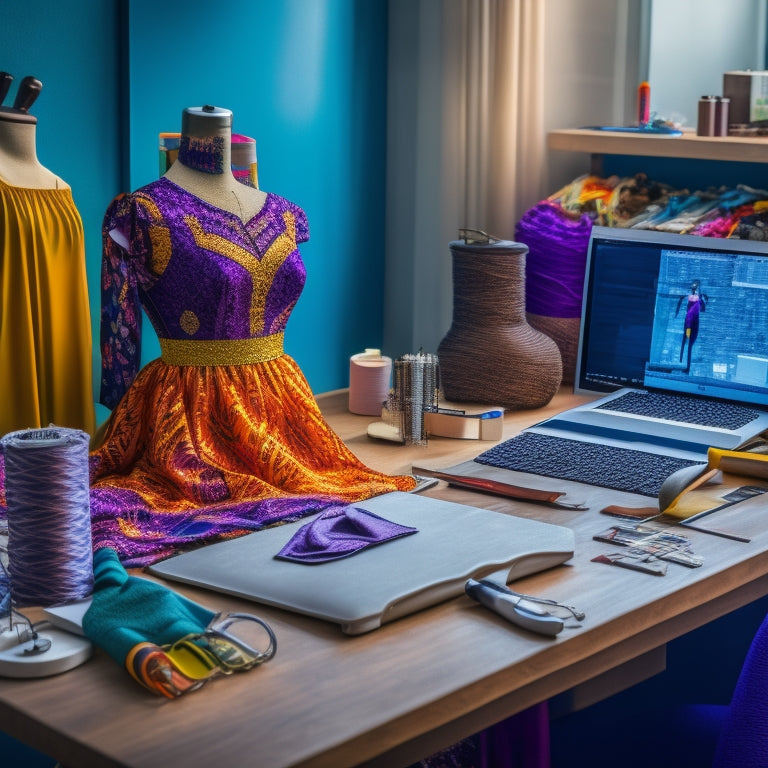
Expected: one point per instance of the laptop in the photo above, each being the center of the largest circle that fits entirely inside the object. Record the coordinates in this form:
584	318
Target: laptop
454	542
674	338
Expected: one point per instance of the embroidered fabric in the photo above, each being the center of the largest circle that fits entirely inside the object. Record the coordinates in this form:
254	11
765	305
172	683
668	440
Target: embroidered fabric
228	280
197	452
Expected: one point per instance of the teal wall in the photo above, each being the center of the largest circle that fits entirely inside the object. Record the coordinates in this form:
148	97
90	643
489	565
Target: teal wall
305	78
71	46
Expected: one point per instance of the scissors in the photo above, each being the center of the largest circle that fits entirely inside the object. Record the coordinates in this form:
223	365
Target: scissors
185	665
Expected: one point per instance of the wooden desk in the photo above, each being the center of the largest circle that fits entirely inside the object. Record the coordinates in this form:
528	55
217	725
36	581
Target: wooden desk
407	689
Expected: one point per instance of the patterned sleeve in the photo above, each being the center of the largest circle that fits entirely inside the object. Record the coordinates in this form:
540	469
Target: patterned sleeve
302	224
120	306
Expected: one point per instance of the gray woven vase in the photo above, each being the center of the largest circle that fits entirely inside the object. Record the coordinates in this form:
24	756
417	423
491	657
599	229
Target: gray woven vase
491	355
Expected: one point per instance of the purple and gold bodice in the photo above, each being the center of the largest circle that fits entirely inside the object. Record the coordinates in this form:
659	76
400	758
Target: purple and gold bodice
215	289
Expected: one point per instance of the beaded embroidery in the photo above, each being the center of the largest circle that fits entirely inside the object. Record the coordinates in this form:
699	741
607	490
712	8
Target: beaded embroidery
189	322
262	270
193	295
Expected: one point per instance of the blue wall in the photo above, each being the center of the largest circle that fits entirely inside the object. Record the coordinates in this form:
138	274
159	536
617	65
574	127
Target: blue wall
71	47
305	78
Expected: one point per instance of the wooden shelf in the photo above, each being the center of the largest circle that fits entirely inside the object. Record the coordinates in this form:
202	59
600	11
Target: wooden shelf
688	146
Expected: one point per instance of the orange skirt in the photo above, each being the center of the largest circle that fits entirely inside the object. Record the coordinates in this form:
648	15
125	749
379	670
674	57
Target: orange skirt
199	453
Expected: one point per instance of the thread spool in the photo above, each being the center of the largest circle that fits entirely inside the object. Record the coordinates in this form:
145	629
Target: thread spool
369	377
722	108
414	393
705	125
244	164
644	103
490	353
50	558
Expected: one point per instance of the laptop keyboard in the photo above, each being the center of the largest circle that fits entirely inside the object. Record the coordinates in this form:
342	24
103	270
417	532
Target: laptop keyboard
686	410
621	469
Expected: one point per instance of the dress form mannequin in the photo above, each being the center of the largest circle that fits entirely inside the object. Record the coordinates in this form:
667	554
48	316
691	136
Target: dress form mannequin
19	165
45	327
204	163
220	435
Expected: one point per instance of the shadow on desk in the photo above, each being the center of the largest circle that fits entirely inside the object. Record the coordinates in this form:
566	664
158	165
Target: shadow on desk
702	670
18	755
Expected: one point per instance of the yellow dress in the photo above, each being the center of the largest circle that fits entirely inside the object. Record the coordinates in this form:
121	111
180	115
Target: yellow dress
45	328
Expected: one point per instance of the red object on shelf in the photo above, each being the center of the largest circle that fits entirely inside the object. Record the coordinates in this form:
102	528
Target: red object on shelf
644	103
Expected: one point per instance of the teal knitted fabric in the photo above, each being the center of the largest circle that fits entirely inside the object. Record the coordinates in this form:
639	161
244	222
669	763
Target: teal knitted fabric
127	610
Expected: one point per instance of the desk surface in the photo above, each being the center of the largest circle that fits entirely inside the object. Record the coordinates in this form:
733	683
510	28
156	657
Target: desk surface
396	694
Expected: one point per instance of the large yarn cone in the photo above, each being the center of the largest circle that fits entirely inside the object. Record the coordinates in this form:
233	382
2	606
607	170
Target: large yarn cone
554	276
491	354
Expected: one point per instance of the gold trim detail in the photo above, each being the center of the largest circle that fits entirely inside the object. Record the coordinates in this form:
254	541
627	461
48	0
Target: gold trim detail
221	351
262	271
189	322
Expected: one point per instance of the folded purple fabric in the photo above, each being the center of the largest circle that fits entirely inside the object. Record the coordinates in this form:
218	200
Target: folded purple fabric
340	531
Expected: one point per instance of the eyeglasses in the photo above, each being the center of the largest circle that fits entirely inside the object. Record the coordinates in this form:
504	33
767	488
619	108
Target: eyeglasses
476	237
232	642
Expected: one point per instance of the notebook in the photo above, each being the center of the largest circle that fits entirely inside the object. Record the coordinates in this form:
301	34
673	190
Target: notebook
454	542
674	336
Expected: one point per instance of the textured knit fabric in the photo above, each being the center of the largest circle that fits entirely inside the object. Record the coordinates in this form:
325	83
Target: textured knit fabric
557	253
743	741
45	327
128	610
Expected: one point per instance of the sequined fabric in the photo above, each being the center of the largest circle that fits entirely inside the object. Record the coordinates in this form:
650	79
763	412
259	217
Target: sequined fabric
197	452
198	271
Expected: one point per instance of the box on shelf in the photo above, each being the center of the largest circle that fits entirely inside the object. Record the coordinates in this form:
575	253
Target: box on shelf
748	92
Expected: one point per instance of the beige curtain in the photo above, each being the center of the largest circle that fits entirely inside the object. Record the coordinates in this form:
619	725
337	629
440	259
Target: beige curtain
465	148
504	153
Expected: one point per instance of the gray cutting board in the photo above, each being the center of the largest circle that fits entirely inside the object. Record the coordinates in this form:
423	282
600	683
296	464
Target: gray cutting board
382	583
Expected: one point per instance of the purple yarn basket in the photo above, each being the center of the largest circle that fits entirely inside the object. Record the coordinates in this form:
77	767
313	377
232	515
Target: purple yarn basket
554	277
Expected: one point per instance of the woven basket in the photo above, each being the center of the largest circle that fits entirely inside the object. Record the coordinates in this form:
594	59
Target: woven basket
490	353
564	331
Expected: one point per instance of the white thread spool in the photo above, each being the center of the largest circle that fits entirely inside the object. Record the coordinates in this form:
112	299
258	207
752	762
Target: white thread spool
369	376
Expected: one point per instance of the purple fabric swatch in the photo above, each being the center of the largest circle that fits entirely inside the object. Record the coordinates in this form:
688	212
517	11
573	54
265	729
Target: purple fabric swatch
340	531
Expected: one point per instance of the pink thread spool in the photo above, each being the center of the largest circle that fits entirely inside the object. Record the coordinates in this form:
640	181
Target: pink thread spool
369	376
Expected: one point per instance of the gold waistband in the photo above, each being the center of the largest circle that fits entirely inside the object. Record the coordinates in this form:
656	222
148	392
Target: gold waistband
221	351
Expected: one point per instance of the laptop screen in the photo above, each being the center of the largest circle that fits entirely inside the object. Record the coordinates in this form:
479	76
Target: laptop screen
674	312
